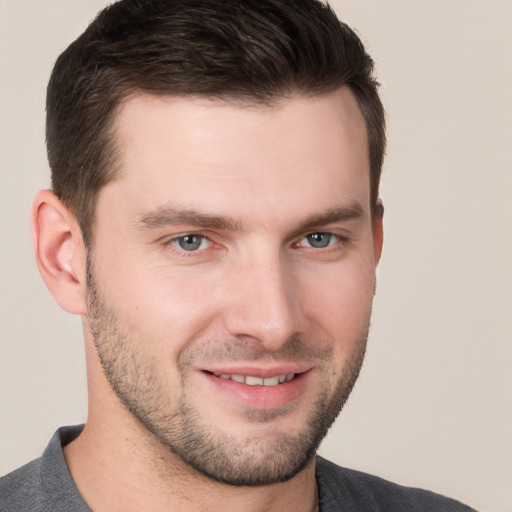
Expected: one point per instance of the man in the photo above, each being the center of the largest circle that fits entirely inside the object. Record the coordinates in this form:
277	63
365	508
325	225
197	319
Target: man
215	221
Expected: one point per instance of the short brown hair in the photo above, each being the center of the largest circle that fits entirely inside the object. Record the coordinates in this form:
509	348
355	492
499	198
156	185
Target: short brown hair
252	51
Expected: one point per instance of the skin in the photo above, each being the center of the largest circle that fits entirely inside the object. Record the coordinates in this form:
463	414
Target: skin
255	297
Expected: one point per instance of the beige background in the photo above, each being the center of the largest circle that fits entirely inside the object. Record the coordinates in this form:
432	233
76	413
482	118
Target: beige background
433	407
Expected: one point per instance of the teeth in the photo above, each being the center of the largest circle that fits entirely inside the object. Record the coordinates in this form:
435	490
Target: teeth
271	381
258	381
254	381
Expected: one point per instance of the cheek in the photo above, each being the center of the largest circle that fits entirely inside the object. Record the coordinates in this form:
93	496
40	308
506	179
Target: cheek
342	292
339	305
166	308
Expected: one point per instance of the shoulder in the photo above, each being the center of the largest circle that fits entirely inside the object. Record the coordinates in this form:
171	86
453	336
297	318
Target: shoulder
360	491
45	483
21	489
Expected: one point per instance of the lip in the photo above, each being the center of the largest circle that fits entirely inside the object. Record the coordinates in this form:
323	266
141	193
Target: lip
258	371
258	397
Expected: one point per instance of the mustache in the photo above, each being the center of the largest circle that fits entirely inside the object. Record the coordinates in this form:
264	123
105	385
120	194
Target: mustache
239	349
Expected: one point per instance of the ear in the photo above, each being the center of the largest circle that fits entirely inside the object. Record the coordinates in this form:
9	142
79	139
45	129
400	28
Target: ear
59	251
378	231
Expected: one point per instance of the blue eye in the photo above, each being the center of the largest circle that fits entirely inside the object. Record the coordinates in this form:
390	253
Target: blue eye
191	242
320	240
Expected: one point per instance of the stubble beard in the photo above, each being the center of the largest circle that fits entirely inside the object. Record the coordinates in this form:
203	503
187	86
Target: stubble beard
132	372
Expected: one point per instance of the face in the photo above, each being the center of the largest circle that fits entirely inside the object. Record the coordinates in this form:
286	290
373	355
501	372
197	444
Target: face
232	275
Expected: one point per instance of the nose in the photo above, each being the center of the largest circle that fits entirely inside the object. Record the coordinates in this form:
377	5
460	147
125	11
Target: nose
265	303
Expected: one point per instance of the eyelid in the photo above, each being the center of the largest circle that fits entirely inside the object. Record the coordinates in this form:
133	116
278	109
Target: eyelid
173	242
337	236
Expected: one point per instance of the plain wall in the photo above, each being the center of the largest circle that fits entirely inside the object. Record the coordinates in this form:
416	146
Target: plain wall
433	405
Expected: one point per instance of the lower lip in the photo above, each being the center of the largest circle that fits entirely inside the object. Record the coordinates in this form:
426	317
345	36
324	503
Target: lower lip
259	397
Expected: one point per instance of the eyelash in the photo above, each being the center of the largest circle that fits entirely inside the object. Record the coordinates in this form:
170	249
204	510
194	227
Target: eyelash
175	242
334	239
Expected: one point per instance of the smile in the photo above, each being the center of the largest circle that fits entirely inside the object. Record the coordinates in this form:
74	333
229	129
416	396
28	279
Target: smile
260	388
257	381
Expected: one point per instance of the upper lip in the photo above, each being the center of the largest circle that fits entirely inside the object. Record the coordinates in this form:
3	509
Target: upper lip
258	371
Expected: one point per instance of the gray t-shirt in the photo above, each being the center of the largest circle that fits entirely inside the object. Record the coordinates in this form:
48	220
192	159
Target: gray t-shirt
45	485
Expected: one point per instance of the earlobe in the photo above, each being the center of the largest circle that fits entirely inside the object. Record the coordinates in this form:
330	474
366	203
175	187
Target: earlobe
59	251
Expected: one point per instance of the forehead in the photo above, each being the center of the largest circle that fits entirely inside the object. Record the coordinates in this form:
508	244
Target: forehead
229	156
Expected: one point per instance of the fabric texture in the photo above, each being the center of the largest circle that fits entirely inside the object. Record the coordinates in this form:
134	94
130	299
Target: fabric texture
346	490
45	485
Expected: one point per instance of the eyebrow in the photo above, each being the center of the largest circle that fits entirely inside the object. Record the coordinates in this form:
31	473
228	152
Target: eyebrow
344	213
172	216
